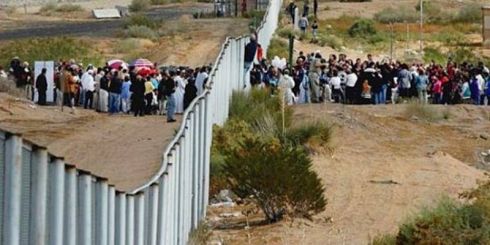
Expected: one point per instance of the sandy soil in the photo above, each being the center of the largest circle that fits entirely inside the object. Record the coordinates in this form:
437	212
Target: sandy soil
125	149
384	168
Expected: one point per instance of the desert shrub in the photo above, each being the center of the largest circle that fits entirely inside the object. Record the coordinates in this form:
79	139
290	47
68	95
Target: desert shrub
449	38
423	112
139	5
384	240
435	13
200	235
279	48
434	54
448	223
391	15
278	177
470	13
50	8
68	8
330	41
314	136
36	49
256	104
463	54
8	86
159	2
141	20
284	32
9	10
141	32
362	28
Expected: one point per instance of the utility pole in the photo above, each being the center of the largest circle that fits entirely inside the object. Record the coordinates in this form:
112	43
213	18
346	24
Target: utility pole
408	37
421	26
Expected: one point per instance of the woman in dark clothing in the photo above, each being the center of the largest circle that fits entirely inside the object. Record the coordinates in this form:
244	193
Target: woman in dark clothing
190	93
138	96
42	86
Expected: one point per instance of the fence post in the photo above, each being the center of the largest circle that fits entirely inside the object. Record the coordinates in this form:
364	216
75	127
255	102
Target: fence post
70	225
202	150
111	223
102	193
139	219
195	165
152	215
120	219
57	202
84	209
39	197
12	196
130	220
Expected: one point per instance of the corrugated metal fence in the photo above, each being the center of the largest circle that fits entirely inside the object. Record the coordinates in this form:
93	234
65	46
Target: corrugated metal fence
45	201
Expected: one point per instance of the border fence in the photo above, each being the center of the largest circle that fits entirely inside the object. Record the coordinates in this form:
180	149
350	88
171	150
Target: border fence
44	200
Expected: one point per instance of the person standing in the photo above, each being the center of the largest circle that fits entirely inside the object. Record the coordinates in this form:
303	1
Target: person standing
190	93
42	86
138	96
421	83
148	95
103	92
114	93
350	86
200	80
126	94
250	52
88	89
303	24
314	29
180	84
169	93
286	85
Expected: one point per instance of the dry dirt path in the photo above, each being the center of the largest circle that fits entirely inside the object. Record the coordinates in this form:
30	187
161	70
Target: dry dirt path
385	167
124	149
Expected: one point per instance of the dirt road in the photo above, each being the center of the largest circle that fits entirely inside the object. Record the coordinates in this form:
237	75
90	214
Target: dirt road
125	149
39	27
385	167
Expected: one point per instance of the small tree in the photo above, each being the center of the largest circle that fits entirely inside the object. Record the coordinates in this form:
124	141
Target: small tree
362	28
278	177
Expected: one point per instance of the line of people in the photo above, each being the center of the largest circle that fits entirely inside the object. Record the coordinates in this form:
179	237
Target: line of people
314	78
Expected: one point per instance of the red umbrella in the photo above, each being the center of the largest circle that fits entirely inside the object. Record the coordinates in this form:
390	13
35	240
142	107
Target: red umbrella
142	63
116	64
145	71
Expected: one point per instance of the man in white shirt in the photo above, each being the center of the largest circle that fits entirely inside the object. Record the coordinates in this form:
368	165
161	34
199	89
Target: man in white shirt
481	87
200	80
350	85
88	88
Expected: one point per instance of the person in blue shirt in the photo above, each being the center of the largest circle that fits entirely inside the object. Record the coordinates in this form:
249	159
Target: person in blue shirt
421	83
126	95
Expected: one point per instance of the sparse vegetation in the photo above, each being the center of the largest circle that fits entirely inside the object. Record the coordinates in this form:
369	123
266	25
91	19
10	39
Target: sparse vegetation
50	8
10	10
259	157
141	20
330	41
279	48
362	28
139	5
391	15
201	235
424	112
470	13
35	49
141	32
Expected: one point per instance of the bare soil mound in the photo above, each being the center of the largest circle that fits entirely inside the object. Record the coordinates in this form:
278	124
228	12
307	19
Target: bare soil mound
125	149
385	167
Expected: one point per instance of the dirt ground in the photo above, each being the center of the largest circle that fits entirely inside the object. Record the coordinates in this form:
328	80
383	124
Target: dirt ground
385	167
125	149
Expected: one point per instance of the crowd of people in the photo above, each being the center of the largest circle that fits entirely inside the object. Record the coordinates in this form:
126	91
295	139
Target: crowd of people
116	89
315	78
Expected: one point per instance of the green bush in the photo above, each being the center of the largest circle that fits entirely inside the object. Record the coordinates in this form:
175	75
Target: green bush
279	48
141	20
434	54
141	32
47	8
314	136
139	5
435	13
200	235
391	15
284	32
36	49
9	10
470	13
330	41
362	28
278	177
449	38
159	2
